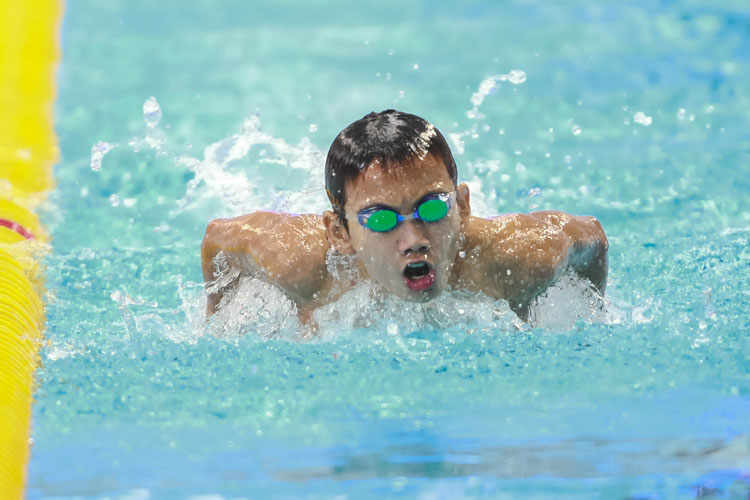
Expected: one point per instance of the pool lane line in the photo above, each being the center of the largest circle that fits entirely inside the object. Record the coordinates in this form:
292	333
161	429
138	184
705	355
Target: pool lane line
29	53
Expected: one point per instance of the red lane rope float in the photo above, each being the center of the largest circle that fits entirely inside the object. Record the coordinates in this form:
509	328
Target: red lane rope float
14	226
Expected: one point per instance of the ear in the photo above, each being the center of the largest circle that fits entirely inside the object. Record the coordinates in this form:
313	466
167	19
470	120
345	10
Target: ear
338	236
463	201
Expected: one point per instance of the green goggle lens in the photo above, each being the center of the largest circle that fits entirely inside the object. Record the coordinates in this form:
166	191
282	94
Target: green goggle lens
432	210
382	220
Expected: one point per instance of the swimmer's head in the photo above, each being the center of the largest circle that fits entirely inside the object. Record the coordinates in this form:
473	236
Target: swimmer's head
391	179
390	139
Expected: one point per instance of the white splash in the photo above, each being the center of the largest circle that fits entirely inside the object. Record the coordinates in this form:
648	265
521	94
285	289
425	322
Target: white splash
98	151
570	300
151	112
488	85
640	117
246	183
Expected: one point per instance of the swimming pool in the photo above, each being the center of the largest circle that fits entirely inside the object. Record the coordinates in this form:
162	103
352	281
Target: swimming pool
634	113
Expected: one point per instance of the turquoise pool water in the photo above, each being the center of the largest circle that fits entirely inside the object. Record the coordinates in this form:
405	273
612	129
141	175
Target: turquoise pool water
635	113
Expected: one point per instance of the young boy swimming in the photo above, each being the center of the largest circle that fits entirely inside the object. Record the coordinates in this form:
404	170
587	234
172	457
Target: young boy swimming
399	212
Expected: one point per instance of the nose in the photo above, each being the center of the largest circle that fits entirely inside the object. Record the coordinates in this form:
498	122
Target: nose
411	239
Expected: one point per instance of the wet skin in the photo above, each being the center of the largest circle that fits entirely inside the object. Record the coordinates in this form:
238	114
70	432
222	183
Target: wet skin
514	257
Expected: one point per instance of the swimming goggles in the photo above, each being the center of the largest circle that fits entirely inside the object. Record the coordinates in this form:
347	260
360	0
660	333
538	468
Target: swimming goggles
431	208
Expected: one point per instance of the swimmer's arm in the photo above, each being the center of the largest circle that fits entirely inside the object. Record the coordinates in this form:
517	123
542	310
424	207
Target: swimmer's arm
589	247
526	253
286	250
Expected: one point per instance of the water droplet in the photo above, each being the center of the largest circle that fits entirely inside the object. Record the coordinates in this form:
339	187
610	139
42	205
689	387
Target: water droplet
415	67
640	117
516	77
576	130
312	128
681	113
114	200
151	112
462	254
98	151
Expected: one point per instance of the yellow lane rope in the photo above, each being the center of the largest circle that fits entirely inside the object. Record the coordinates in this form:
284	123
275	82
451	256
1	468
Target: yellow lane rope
29	52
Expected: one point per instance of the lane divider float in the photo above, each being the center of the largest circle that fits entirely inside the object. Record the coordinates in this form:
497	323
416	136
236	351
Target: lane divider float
29	53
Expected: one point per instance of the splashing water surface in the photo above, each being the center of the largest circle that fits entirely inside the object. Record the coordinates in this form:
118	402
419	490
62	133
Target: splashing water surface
631	113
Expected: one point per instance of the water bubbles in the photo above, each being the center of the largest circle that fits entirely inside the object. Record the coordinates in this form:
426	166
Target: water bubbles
487	85
415	67
114	200
516	77
98	151
457	141
576	130
681	113
312	128
151	112
640	117
535	192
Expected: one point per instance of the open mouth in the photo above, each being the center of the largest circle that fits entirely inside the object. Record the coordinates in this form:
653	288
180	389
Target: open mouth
419	275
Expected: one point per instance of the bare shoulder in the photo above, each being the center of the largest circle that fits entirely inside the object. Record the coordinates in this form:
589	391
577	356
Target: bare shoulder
513	237
517	256
287	250
580	228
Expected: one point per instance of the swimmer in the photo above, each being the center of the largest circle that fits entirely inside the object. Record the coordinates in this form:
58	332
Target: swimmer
398	212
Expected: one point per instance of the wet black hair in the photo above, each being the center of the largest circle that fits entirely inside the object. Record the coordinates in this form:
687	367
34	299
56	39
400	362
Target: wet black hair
390	137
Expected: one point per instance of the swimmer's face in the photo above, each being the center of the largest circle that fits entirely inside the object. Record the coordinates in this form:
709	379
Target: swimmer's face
415	259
